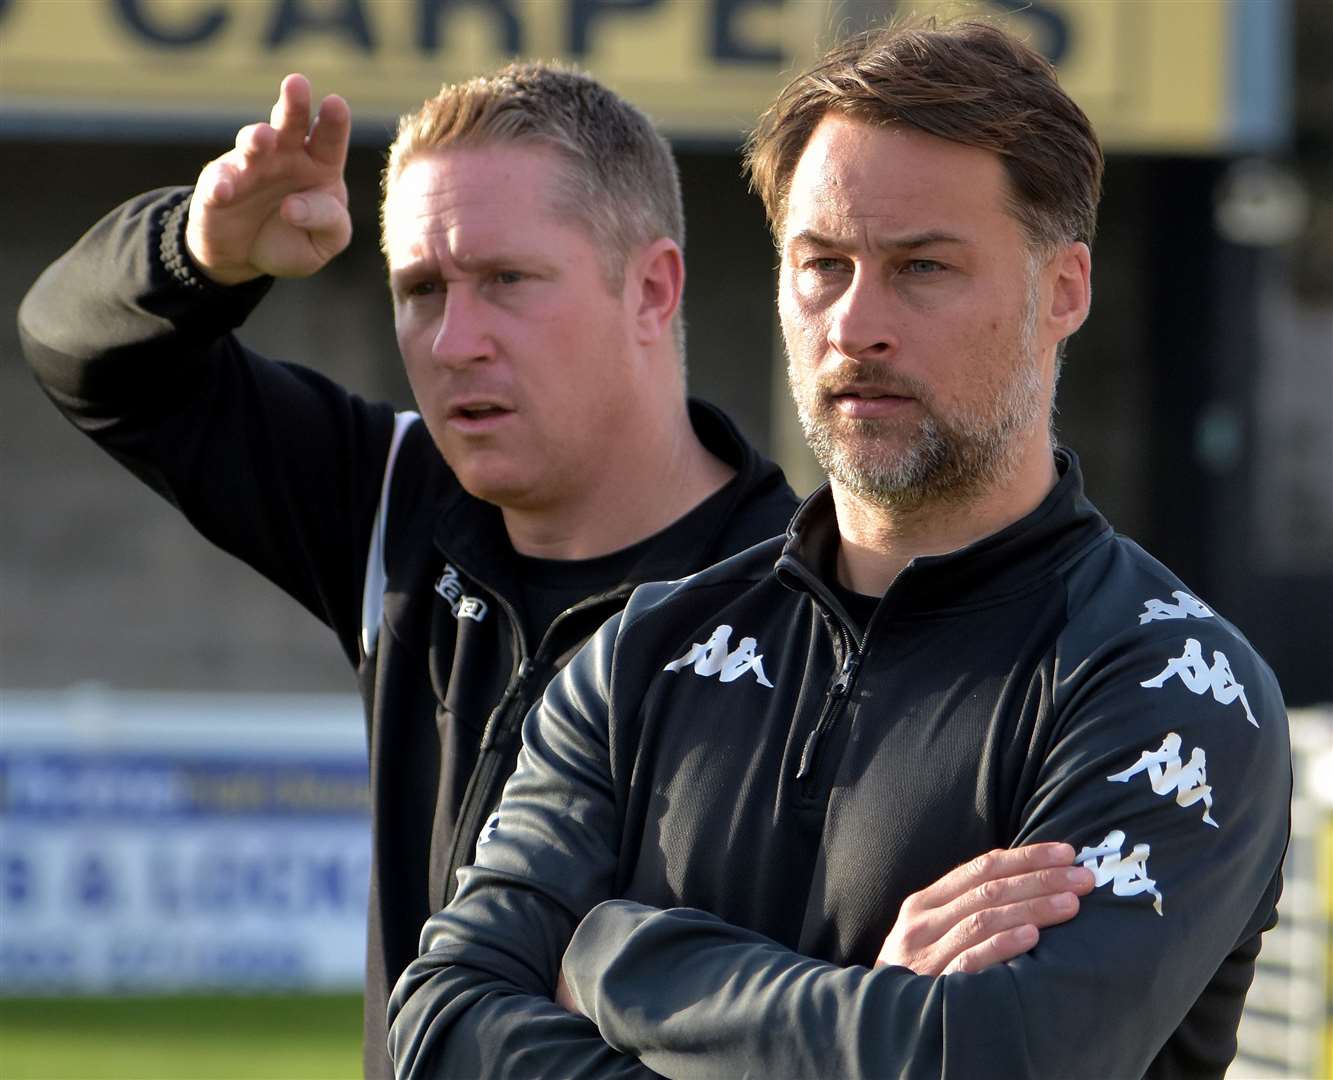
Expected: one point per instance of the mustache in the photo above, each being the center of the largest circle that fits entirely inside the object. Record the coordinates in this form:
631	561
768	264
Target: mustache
852	375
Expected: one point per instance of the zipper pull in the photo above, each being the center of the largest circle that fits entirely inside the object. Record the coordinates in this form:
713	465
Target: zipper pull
845	676
499	717
525	670
838	689
807	756
516	693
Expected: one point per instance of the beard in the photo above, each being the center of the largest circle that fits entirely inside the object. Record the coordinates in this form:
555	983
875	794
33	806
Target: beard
937	458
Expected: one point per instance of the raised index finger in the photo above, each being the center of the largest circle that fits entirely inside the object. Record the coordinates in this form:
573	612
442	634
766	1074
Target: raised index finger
333	126
1000	863
291	112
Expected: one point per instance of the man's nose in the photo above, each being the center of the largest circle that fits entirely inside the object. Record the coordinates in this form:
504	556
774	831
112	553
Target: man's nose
863	323
464	335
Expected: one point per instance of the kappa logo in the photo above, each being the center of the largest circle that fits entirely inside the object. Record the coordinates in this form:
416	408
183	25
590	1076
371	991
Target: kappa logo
1166	774
715	657
1127	875
1185	607
1200	678
450	586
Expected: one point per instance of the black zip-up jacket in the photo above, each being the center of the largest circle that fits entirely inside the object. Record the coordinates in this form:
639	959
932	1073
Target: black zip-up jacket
725	798
352	511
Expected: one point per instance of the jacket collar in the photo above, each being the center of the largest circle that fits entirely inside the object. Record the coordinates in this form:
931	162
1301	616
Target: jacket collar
471	533
1006	563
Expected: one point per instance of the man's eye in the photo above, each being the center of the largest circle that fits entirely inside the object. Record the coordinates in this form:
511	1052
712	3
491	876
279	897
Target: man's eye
422	288
508	277
922	266
825	265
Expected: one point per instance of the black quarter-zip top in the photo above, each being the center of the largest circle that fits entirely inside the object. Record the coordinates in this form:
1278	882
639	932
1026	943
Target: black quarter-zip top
348	507
728	795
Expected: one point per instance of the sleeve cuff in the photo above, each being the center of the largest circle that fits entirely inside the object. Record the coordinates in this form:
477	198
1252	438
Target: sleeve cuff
175	256
598	938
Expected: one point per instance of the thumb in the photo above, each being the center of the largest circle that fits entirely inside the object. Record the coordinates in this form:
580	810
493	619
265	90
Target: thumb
323	216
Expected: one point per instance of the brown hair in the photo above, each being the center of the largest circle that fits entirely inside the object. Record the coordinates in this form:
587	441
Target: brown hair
620	181
970	82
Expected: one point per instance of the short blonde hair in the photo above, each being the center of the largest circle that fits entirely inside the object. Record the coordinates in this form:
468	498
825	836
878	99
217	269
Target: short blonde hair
620	180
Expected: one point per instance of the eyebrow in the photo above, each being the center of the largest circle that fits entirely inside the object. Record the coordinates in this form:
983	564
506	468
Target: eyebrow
407	270
472	264
908	242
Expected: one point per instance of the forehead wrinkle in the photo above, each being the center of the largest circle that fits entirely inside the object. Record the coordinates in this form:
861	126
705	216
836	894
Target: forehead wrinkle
895	242
440	191
870	239
841	210
838	188
473	244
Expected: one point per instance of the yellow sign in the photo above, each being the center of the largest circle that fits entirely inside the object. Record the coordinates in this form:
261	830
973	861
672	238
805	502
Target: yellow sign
1152	74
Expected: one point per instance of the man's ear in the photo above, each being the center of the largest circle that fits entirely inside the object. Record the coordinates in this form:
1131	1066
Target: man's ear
1069	275
655	286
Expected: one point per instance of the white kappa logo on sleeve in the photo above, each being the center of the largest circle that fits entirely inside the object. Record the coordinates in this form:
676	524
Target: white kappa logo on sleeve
1166	774
1196	674
1185	607
1127	875
714	658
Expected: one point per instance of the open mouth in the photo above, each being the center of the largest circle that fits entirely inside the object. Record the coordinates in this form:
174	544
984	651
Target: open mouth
477	411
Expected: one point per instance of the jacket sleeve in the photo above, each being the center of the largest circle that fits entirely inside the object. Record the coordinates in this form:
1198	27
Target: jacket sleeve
478	1001
1169	772
274	463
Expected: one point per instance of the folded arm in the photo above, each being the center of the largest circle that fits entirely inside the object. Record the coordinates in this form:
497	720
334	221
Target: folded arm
1186	870
479	1001
687	994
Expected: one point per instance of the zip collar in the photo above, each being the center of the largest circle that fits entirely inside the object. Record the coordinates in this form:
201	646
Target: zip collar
1007	563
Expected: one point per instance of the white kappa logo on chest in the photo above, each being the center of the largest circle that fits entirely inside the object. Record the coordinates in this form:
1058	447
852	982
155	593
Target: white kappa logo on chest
716	657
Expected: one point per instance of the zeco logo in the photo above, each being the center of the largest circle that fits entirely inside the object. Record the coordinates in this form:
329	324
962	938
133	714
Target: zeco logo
450	586
716	657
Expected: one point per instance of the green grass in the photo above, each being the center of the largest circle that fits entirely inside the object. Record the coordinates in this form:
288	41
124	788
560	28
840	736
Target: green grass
271	1037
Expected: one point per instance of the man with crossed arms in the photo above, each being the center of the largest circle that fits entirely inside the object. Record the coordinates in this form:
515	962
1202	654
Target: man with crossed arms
748	775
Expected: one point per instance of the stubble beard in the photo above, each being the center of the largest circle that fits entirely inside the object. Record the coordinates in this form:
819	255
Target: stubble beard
933	459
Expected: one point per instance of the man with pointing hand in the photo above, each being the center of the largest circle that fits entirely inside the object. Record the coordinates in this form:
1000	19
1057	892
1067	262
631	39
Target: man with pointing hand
532	229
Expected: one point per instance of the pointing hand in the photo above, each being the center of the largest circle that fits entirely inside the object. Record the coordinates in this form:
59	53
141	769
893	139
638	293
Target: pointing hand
276	203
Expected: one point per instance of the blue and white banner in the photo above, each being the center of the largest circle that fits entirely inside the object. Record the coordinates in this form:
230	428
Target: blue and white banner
169	842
